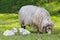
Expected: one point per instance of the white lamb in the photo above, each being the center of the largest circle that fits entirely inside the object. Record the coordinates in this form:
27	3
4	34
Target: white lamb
10	32
24	31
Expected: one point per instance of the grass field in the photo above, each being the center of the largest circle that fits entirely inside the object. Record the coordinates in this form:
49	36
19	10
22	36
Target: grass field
8	21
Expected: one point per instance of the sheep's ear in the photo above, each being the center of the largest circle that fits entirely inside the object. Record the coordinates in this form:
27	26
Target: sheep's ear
52	25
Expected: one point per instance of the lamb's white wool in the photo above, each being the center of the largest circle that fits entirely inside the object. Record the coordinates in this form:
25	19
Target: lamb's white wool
10	32
24	31
14	30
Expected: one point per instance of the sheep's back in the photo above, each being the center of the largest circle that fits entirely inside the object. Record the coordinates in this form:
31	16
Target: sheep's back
26	13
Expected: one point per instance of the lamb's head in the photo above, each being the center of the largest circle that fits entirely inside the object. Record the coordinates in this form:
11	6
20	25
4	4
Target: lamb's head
14	30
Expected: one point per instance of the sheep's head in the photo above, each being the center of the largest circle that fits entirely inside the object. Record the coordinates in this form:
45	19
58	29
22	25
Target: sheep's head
47	26
48	29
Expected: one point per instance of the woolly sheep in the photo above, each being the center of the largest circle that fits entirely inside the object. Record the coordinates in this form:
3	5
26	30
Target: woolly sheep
10	32
36	17
23	31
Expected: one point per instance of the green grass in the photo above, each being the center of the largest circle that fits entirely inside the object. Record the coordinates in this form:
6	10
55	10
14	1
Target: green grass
8	21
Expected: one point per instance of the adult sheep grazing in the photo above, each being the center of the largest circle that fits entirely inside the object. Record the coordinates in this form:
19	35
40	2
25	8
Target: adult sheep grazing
36	17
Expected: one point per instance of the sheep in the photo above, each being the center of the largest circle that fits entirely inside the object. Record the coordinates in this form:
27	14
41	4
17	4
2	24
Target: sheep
23	31
36	17
10	32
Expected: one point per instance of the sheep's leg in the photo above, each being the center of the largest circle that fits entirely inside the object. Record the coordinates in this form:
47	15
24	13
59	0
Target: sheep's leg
23	27
22	24
39	31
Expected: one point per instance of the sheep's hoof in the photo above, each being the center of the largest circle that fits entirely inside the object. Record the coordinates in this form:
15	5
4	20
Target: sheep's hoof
39	33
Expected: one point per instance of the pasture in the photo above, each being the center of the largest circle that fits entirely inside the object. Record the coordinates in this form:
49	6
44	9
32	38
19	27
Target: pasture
8	21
